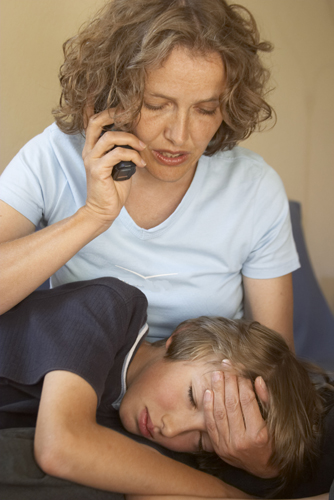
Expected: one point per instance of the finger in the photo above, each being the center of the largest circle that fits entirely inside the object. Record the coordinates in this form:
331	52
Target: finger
261	390
210	423
95	124
250	408
101	168
219	409
233	408
112	138
119	154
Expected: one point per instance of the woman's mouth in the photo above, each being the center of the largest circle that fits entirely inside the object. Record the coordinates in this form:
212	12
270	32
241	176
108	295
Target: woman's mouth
170	158
145	424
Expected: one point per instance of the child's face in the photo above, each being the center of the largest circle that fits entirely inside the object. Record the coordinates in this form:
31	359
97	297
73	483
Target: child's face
165	404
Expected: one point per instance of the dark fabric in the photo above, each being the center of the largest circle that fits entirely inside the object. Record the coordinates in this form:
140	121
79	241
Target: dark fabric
86	327
319	479
313	319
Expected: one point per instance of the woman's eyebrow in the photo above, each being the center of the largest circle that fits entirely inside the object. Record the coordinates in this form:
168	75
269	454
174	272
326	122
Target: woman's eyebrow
162	96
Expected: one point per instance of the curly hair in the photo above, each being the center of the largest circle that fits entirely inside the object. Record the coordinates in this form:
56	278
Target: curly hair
105	63
296	388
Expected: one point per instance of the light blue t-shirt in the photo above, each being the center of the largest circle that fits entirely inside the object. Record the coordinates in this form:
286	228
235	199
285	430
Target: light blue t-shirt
234	220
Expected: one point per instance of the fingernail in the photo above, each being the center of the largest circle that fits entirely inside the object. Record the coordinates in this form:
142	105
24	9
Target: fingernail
226	362
207	395
216	376
143	162
142	145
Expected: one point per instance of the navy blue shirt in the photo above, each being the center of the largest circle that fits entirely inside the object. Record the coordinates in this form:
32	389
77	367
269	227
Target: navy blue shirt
86	327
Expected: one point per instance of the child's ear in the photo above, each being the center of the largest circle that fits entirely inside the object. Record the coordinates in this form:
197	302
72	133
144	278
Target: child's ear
261	390
168	342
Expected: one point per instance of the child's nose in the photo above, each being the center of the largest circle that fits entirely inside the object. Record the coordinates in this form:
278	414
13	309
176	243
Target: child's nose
175	424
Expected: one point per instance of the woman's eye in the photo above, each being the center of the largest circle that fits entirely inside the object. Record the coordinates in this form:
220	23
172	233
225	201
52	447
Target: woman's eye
191	397
207	111
153	108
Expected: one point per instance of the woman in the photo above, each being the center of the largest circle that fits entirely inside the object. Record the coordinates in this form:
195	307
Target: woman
203	226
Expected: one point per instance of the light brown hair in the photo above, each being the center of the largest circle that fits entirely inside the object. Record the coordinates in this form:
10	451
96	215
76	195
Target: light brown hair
295	407
105	64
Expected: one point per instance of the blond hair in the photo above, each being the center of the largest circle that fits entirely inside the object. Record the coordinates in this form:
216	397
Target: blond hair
295	407
105	64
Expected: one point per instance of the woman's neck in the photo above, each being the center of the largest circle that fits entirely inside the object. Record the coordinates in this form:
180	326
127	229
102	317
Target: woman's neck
151	201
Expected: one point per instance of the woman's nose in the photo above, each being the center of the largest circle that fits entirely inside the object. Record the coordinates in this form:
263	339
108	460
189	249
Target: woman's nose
177	130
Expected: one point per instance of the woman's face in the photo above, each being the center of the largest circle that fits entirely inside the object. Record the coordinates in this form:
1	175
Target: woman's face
164	403
180	113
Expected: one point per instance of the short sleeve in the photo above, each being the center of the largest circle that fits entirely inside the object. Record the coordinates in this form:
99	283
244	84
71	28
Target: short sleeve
79	327
43	180
272	252
21	189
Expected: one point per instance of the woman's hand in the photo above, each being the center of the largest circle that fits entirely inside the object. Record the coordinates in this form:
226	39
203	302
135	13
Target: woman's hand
46	251
105	198
235	425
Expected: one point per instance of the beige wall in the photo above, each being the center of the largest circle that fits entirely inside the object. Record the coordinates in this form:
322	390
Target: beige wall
31	36
300	147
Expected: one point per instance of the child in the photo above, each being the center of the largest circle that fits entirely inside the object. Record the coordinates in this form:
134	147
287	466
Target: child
75	354
72	356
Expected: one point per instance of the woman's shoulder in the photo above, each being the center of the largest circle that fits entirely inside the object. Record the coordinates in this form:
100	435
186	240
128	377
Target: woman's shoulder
52	139
242	157
38	175
242	165
52	154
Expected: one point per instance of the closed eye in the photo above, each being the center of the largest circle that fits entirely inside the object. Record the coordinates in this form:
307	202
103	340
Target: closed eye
207	111
191	397
153	108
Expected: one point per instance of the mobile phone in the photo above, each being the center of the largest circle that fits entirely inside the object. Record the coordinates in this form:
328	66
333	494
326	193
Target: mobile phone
123	170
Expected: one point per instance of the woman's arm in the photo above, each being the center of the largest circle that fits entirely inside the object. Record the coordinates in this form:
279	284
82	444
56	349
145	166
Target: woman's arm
270	302
70	444
28	258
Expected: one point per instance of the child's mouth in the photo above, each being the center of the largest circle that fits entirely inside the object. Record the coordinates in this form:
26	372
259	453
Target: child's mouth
145	424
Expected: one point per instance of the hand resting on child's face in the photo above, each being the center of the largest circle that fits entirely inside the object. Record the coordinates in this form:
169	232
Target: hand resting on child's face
233	420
